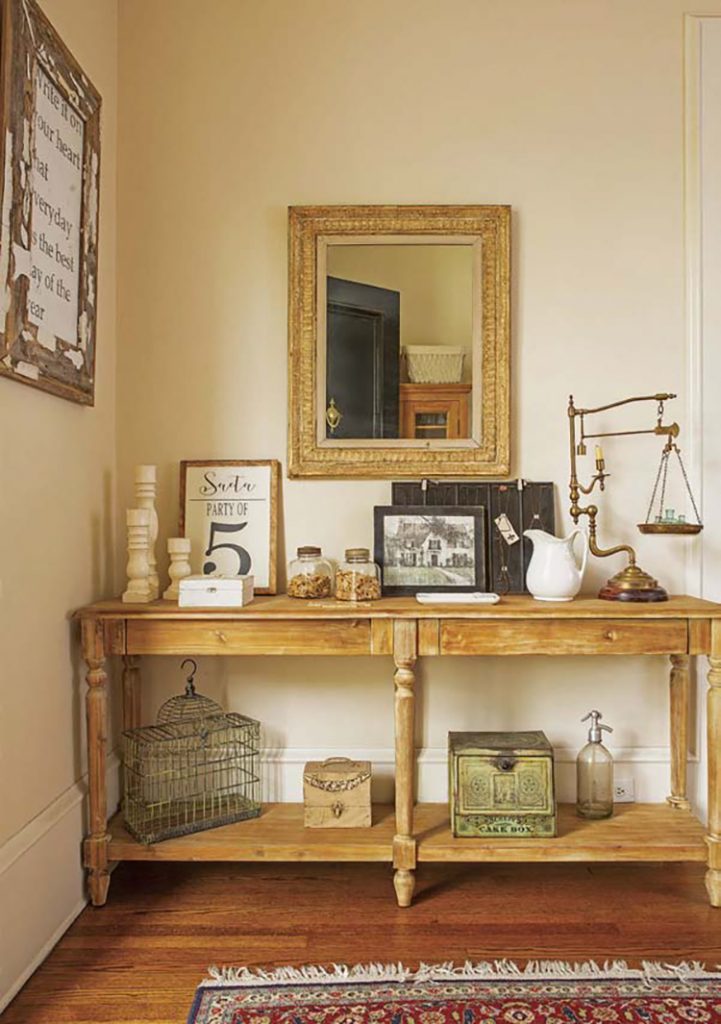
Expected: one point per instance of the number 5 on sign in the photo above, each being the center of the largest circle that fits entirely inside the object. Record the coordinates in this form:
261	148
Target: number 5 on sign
244	560
228	511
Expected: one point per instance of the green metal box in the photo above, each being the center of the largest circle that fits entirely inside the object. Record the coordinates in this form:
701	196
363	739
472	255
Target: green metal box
501	784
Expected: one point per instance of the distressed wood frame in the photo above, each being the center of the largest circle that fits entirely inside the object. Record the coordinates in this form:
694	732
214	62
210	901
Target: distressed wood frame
28	41
274	468
309	230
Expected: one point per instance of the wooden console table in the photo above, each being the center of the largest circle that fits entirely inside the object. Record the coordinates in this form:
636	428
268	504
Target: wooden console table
405	630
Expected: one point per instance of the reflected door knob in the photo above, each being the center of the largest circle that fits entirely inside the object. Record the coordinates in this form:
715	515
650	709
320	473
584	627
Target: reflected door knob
333	416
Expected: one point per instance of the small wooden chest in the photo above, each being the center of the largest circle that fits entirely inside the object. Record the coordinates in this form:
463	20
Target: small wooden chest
337	793
501	784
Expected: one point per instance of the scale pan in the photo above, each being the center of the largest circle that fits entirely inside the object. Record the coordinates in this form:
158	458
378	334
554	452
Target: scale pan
677	528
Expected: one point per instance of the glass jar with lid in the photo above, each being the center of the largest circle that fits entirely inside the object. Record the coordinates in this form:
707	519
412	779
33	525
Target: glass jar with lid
357	578
309	574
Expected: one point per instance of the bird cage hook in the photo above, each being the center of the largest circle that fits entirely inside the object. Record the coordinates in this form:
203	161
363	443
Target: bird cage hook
190	681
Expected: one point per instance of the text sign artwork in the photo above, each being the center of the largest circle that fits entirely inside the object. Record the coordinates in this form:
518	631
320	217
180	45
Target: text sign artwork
228	518
57	178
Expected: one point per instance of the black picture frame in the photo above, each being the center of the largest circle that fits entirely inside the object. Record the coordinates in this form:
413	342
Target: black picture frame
476	518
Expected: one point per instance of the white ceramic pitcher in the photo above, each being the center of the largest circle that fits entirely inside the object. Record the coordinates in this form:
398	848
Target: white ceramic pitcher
554	573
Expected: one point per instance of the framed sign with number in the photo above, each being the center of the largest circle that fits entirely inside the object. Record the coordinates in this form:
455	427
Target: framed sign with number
229	511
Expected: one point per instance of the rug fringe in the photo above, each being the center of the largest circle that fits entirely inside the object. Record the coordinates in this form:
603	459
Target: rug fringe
537	970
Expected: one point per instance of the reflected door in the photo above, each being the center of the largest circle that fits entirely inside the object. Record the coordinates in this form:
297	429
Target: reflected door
363	356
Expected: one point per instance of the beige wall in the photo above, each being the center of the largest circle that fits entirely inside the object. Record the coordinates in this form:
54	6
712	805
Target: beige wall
436	286
570	112
57	481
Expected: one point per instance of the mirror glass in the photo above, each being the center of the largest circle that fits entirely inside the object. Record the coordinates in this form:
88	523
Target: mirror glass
399	340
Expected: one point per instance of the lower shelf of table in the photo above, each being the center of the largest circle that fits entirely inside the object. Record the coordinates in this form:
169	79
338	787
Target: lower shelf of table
636	832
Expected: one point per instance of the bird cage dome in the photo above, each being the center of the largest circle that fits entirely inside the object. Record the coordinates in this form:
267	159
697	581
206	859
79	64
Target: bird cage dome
188	705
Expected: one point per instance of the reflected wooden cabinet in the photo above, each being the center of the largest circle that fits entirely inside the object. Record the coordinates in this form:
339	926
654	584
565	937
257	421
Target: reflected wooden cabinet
429	411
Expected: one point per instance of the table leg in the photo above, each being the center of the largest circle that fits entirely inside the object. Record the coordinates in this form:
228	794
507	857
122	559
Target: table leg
131	692
96	844
680	691
713	725
404	845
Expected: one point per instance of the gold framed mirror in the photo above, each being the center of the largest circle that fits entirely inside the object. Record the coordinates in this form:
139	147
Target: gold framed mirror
399	341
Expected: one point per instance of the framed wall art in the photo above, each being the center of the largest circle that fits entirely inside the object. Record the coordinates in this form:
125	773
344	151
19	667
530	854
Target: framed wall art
50	145
438	550
526	504
229	511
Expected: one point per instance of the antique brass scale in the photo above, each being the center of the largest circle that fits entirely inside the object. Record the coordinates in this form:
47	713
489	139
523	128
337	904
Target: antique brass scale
631	583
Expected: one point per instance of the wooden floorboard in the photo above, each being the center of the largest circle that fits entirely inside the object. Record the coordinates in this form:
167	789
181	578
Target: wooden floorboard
140	958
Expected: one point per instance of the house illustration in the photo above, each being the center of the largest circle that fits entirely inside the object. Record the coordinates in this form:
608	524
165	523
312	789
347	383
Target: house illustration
431	542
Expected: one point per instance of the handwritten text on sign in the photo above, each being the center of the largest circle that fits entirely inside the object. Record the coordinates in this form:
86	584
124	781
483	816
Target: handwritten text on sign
228	520
57	196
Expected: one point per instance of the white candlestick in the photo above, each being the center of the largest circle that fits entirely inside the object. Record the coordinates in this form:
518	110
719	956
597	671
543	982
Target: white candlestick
145	493
179	551
138	590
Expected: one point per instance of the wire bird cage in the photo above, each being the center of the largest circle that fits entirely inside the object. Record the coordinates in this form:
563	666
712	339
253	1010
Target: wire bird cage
197	768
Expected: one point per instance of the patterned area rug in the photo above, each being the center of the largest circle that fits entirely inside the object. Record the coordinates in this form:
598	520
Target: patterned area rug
543	992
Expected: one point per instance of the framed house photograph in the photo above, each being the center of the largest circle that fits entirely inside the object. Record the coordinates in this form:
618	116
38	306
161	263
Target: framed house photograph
229	510
438	549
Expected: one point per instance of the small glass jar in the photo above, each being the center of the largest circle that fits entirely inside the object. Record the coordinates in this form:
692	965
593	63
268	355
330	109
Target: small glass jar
357	577
309	575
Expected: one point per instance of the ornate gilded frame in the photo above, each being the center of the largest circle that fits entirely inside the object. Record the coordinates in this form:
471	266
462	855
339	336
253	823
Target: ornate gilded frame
309	230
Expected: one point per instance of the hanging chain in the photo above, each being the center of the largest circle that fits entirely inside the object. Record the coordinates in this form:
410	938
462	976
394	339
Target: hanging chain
662	499
688	485
664	460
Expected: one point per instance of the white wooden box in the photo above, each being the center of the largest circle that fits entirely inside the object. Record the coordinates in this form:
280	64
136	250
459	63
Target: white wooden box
215	591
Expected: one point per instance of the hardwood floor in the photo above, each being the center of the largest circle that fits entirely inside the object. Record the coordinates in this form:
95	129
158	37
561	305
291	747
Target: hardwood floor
140	958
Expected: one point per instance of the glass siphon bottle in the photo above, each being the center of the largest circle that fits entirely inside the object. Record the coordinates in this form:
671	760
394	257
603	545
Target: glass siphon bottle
594	773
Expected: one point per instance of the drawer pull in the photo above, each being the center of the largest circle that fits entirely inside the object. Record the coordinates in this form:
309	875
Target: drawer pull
337	807
611	634
505	764
221	636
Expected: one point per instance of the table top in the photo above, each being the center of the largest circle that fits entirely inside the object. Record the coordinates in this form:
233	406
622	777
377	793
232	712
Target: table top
514	606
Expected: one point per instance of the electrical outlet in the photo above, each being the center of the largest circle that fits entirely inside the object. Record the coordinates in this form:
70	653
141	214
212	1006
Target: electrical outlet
624	791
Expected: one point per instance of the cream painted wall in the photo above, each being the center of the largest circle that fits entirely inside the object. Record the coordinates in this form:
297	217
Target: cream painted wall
569	111
57	546
435	282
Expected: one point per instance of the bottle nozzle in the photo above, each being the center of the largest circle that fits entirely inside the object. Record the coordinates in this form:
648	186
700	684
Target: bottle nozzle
594	732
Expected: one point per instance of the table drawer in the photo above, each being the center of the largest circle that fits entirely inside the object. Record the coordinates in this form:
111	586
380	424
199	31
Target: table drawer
579	636
347	636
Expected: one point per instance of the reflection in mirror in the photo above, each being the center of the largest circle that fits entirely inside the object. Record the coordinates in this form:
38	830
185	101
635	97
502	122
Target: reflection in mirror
398	334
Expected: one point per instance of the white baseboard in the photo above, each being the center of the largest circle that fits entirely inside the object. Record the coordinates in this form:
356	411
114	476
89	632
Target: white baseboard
7	997
41	882
282	771
17	845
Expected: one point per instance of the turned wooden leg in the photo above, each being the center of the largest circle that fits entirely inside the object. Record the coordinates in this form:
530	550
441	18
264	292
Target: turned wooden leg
96	844
131	692
404	845
680	691
713	725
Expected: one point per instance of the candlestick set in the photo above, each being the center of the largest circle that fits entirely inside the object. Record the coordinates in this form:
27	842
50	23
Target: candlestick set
142	525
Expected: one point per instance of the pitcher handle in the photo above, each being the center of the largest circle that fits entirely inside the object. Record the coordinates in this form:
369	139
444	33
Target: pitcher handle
582	533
